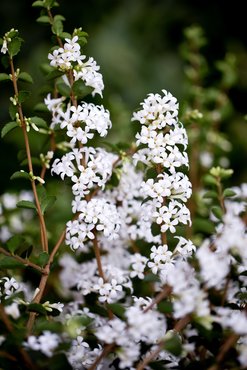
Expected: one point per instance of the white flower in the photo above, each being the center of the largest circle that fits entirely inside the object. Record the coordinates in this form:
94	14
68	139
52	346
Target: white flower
4	47
13	310
138	263
112	331
148	327
161	110
45	343
214	266
109	292
88	72
10	286
64	57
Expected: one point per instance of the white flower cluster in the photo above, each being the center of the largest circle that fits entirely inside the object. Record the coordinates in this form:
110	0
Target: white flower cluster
161	132
80	122
69	57
8	286
97	214
87	167
80	355
165	141
46	343
147	327
188	295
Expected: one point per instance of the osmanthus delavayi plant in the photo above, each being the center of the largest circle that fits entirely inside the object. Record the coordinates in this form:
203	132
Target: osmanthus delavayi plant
122	286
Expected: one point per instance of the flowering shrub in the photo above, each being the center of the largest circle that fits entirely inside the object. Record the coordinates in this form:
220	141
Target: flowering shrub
121	279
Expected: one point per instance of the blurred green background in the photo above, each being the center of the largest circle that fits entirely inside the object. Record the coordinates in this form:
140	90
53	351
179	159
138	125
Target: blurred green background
137	43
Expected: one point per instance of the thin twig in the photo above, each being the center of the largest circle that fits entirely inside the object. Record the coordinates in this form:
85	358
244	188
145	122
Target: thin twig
108	348
10	328
163	294
22	260
180	325
150	357
44	240
229	343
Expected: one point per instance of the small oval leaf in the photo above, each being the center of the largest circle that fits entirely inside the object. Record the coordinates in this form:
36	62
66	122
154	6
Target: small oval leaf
26	204
8	127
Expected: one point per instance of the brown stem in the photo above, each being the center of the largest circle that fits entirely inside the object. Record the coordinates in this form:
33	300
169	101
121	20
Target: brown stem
43	281
43	171
150	357
229	343
178	327
22	260
44	240
163	294
10	329
108	348
51	20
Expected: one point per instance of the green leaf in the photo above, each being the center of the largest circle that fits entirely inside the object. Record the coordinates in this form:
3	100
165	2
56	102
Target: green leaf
217	212
228	193
63	89
210	180
117	309
57	26
55	73
50	3
47	203
26	204
10	263
38	3
211	194
38	121
8	127
41	191
59	17
43	259
41	107
23	95
203	225
114	180
155	228
12	111
173	345
14	46
65	35
20	175
25	250
37	307
59	362
14	243
43	19
151	173
81	90
150	277
165	307
53	326
24	76
4	77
